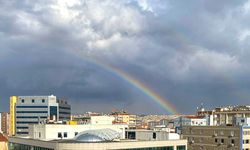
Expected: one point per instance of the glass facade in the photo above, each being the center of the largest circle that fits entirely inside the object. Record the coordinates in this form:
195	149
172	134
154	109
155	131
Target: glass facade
14	146
53	111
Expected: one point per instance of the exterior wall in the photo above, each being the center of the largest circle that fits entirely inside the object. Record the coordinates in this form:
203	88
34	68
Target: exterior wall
12	126
51	131
212	137
98	146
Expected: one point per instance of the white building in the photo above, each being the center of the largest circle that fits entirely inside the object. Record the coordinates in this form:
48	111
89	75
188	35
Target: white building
62	131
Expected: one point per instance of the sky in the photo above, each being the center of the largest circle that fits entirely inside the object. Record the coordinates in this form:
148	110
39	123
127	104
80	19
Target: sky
189	52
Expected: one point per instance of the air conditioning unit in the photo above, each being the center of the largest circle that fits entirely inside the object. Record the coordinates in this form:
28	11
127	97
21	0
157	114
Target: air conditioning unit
215	135
231	135
230	145
191	142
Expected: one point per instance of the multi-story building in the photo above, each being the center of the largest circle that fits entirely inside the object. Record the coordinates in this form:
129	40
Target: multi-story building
5	123
122	117
217	137
37	109
225	115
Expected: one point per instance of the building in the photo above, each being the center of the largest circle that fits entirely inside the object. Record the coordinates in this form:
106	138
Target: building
63	131
1	123
5	123
37	109
12	122
101	120
225	115
3	142
96	140
217	137
150	135
123	117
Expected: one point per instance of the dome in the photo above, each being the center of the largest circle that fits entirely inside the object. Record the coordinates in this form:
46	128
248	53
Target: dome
89	138
99	135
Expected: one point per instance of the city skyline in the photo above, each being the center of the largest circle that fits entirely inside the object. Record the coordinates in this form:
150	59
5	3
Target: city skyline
143	56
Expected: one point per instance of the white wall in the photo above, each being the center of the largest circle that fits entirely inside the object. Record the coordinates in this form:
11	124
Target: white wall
50	131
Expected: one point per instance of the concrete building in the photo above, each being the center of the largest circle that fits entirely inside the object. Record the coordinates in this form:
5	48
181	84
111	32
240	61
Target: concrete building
225	115
150	135
5	123
37	109
62	131
217	137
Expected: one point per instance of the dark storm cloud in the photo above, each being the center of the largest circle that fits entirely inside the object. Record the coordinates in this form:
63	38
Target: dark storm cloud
196	51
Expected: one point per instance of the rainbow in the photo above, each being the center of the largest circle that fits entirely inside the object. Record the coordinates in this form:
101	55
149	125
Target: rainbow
147	91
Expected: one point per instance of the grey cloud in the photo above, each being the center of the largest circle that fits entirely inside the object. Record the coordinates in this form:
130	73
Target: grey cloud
194	51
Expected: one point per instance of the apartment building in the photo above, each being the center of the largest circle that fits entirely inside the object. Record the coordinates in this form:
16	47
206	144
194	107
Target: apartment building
217	137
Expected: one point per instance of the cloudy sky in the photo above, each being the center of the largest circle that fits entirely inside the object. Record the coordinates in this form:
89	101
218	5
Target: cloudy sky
189	52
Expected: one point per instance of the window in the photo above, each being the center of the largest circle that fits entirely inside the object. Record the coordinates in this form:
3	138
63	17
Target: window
43	100
22	100
39	134
65	134
182	147
59	135
247	141
170	148
232	141
215	140
222	140
76	133
154	135
33	101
